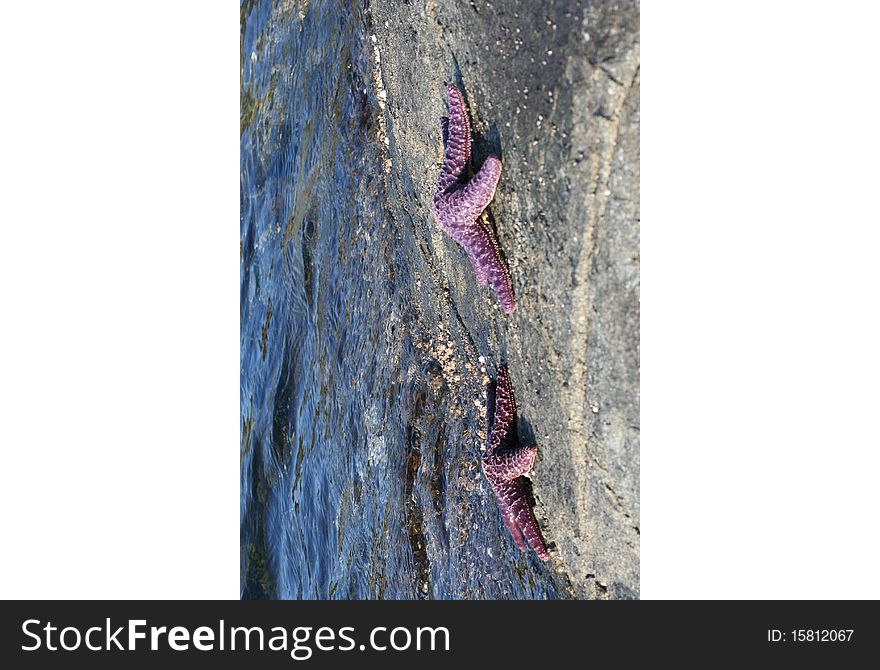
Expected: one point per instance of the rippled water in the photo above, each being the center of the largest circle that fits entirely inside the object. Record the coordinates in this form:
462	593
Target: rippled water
359	462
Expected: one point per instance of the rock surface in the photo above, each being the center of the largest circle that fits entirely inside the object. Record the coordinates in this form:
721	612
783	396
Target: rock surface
553	89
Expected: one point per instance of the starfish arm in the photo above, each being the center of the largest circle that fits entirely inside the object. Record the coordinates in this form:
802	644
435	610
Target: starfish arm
510	464
460	126
444	130
485	253
457	139
503	416
525	519
506	491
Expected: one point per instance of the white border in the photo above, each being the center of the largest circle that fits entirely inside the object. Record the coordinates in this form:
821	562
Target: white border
760	311
120	275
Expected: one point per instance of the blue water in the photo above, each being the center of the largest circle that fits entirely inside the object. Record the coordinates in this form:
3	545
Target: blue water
359	461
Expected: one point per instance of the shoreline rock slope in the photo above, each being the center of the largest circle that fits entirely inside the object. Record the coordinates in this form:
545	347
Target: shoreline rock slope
553	89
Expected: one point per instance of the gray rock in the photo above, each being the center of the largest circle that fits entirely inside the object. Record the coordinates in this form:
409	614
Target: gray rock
553	88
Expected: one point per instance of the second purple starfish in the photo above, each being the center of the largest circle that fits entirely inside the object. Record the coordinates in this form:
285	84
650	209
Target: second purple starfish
505	461
457	206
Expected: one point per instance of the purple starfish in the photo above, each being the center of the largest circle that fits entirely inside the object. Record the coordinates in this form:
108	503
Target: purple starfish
457	206
505	462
